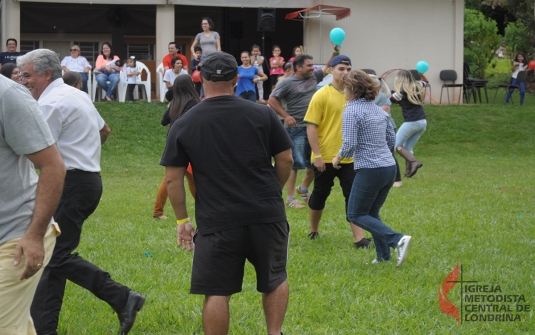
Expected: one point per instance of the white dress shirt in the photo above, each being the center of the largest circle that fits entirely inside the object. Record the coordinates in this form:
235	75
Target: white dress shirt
78	64
75	125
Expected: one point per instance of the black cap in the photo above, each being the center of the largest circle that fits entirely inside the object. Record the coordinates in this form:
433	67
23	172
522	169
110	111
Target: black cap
219	66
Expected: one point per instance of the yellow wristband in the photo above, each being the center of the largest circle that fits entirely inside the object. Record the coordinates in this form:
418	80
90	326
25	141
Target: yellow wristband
316	156
181	221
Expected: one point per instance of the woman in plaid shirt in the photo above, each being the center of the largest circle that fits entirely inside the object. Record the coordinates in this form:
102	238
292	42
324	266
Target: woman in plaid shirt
367	135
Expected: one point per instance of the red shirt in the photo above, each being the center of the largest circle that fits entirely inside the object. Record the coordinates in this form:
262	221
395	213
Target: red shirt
166	61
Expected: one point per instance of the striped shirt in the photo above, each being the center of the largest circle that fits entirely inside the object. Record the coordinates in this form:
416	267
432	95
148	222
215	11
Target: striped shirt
367	134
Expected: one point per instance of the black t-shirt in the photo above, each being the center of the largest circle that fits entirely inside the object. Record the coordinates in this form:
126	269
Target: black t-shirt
230	143
9	57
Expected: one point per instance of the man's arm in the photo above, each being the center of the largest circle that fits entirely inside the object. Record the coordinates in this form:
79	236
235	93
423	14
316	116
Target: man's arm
104	133
312	134
277	107
177	196
64	68
336	52
49	189
283	165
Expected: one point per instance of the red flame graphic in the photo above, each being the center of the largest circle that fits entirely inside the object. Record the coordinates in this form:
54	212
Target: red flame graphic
446	305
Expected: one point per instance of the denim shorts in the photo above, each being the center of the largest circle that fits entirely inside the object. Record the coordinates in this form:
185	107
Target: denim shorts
301	150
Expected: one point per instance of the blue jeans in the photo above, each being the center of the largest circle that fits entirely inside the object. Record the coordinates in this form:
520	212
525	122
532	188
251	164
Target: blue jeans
368	194
102	82
301	150
249	95
84	81
409	133
522	91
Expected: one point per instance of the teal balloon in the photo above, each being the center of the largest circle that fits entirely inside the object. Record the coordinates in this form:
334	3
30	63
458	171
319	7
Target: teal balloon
422	67
337	36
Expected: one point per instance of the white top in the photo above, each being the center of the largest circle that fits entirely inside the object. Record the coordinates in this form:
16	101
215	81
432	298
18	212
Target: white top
130	79
170	76
75	125
78	64
520	67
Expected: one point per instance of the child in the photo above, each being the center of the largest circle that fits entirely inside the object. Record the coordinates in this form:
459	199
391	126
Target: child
195	66
519	64
73	79
410	95
296	52
276	63
131	76
111	63
257	60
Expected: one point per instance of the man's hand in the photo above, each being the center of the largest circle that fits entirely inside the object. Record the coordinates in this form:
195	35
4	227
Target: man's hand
336	162
290	121
319	163
31	246
184	236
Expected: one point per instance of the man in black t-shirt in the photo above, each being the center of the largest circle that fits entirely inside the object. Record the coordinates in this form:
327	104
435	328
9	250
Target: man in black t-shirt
230	143
10	56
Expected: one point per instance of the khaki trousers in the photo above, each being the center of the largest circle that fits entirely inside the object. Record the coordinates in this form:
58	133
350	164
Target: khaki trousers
16	295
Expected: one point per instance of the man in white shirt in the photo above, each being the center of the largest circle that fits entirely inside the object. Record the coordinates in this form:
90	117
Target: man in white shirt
27	230
79	131
77	63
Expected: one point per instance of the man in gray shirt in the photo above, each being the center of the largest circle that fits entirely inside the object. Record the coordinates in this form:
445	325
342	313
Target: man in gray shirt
297	90
27	202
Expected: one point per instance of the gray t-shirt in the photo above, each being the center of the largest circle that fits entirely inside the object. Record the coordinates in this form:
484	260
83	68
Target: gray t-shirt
297	93
23	130
207	44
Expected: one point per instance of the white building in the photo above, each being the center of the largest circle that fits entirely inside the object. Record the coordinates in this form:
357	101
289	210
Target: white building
381	35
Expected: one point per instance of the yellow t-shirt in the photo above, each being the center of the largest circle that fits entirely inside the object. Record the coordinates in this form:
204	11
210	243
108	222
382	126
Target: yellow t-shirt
325	111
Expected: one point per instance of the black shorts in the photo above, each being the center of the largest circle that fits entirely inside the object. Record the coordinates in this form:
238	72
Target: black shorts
219	258
324	181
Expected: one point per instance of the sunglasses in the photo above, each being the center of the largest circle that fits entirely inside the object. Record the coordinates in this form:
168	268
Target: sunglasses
75	50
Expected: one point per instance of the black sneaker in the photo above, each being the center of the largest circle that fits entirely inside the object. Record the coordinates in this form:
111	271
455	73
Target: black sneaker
313	235
363	244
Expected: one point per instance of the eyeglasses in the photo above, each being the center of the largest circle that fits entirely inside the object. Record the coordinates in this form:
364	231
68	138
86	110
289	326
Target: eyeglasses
75	50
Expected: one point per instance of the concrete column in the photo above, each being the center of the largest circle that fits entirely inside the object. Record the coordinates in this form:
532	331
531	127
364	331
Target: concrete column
165	30
165	33
10	25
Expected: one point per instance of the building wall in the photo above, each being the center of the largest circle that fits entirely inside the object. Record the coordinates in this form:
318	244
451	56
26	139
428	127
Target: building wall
392	34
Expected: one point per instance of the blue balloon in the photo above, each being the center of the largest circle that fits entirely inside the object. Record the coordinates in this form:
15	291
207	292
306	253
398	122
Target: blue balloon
422	67
337	36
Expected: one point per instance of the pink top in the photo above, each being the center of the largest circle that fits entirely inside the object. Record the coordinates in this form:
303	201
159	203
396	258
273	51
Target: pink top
101	62
279	70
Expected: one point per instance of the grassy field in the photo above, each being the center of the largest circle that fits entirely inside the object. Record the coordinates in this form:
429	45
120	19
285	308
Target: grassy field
471	203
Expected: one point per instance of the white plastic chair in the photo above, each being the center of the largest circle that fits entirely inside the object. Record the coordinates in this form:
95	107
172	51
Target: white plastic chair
98	92
161	84
146	84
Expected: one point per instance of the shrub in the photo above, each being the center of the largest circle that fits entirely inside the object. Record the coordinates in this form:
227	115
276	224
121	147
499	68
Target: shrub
480	40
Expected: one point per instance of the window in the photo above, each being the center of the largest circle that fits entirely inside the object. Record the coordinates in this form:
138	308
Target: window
27	46
89	50
140	51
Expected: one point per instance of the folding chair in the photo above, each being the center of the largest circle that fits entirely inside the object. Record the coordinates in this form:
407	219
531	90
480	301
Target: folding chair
521	77
449	77
369	71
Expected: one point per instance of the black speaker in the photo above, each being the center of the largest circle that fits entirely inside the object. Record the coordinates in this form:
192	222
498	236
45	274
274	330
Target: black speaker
266	19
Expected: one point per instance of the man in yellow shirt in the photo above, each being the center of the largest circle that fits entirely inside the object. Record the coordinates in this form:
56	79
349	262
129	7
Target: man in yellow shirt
324	131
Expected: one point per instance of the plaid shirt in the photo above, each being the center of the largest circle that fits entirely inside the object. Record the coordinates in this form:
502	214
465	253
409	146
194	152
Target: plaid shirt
367	134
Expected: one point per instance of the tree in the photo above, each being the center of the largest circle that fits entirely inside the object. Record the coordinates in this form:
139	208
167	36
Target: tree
481	39
517	39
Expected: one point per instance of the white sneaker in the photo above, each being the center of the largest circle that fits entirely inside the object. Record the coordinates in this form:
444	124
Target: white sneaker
402	248
375	261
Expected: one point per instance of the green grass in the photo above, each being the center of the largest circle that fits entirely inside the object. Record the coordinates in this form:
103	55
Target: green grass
472	203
